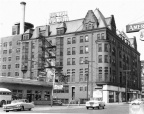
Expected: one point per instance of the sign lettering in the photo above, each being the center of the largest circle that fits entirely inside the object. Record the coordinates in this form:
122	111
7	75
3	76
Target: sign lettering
134	27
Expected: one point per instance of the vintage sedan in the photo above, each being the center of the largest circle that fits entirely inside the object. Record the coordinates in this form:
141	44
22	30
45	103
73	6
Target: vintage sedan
137	102
95	103
20	104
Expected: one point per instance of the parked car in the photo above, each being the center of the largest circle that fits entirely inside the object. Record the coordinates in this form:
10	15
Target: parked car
95	103
57	102
20	104
137	102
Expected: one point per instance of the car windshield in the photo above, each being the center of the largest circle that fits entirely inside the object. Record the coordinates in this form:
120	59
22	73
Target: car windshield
16	101
96	99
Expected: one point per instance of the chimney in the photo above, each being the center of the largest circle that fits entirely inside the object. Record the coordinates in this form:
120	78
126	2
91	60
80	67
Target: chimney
22	21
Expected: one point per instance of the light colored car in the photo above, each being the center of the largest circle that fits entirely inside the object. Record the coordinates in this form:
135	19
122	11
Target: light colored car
20	104
137	102
95	103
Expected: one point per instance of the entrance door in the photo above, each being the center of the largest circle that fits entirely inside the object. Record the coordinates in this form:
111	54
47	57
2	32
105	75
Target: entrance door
73	93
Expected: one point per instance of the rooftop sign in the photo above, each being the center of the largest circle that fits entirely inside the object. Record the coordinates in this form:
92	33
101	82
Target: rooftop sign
134	27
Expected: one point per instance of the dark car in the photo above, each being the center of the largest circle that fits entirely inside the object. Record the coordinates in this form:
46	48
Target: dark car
57	102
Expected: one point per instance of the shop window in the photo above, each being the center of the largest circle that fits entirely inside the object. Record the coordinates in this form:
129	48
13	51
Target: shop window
47	95
38	95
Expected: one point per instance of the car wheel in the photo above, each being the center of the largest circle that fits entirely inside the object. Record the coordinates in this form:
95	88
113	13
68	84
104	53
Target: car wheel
98	107
103	107
7	111
22	108
29	109
87	107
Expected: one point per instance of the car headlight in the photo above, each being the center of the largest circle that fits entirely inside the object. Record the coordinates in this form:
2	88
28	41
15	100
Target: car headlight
18	105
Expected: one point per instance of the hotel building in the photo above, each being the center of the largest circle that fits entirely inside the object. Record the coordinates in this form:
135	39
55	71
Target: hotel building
95	58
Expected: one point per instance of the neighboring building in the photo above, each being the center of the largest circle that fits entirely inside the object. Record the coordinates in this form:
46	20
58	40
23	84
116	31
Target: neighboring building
12	76
79	48
142	78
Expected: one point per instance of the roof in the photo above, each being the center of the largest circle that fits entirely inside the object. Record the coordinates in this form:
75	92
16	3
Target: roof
4	90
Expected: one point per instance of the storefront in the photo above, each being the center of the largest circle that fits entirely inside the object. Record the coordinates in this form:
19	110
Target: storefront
38	92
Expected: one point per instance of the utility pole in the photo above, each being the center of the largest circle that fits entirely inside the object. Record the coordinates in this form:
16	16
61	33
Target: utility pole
88	77
126	85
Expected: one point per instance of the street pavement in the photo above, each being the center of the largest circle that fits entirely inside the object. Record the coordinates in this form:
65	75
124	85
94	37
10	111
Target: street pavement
111	108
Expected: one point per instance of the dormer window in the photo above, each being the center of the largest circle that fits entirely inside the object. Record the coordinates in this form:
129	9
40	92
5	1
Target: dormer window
60	31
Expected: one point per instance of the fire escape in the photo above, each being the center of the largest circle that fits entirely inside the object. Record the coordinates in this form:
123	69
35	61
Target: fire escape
47	58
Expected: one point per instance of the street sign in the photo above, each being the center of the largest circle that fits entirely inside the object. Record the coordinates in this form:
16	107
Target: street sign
134	27
58	87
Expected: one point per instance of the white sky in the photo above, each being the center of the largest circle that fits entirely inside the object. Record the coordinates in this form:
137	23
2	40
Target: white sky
37	13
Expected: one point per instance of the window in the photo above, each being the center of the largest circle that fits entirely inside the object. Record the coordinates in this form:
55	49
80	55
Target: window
106	47
113	51
18	43
81	88
73	75
106	59
99	47
47	95
10	51
68	61
73	40
80	77
100	58
102	36
81	39
4	66
4	51
9	73
68	40
17	50
100	74
86	74
5	44
86	60
17	58
81	60
3	74
86	49
9	66
38	95
73	61
10	43
86	38
9	58
68	51
98	36
4	59
81	49
16	65
68	75
73	50
16	73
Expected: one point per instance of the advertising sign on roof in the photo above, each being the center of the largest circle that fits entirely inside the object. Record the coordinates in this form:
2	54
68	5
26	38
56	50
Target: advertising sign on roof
134	27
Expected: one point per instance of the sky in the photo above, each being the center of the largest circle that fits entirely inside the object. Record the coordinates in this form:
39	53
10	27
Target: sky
37	12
